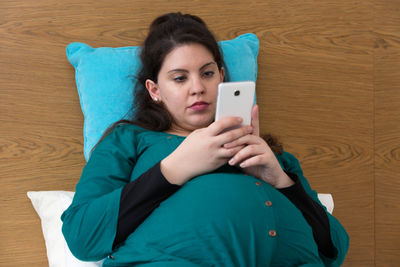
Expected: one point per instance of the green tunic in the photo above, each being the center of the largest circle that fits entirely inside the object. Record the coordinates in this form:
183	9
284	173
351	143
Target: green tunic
217	219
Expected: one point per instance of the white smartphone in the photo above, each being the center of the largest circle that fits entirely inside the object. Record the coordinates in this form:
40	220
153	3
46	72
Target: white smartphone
235	99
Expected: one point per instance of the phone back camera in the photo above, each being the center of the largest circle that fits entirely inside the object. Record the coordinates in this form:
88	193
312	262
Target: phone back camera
237	92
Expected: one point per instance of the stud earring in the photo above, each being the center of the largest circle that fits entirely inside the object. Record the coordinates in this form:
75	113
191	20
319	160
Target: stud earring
155	99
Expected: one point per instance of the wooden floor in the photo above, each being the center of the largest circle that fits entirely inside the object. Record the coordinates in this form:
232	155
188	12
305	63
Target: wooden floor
329	86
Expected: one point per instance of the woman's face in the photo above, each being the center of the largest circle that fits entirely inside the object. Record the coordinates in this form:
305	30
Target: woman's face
187	86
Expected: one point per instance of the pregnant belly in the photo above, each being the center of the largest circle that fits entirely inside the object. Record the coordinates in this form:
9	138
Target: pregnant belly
218	220
213	198
215	218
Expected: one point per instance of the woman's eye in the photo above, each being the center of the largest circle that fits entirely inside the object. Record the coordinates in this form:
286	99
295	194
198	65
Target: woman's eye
208	73
179	79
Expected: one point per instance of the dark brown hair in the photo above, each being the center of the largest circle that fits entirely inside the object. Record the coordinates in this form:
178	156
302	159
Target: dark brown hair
166	33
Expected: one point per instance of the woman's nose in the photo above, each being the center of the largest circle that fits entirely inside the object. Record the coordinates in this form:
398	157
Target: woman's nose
198	86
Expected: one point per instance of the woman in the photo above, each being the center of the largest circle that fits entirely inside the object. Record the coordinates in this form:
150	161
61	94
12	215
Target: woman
171	188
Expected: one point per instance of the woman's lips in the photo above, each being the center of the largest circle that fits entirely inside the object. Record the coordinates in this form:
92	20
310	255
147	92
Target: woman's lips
199	106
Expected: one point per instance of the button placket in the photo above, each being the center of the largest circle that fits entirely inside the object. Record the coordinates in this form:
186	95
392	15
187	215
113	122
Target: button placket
268	203
272	233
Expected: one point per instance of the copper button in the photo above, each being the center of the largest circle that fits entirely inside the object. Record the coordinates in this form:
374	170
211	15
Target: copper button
268	203
258	183
272	233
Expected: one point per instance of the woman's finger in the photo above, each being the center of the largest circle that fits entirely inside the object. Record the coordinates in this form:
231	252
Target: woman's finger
253	161
247	139
255	123
217	127
229	153
231	135
246	153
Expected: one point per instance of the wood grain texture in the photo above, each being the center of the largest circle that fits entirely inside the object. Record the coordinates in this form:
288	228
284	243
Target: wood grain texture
387	129
328	86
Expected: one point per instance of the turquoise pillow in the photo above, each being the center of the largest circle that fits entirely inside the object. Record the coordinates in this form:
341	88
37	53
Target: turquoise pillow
105	78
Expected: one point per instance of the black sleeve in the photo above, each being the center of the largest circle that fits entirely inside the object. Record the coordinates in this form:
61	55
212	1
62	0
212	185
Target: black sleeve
313	213
138	200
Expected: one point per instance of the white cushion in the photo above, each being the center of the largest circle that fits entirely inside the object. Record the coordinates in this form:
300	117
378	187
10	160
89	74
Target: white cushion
49	205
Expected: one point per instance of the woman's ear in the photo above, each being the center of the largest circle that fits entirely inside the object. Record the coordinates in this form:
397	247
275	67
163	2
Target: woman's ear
222	74
153	90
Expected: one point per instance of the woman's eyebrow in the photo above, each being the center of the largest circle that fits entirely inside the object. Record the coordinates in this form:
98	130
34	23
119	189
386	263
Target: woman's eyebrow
202	67
207	64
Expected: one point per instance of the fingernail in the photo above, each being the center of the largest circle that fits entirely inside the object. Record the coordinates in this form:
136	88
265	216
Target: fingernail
242	165
249	129
231	161
239	119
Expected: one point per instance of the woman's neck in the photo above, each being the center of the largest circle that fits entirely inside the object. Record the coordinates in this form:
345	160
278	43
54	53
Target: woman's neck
178	131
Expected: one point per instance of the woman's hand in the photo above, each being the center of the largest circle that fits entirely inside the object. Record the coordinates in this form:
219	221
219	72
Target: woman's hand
203	151
256	158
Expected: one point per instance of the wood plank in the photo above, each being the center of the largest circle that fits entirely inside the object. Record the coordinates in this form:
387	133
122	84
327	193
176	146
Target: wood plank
387	129
315	89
